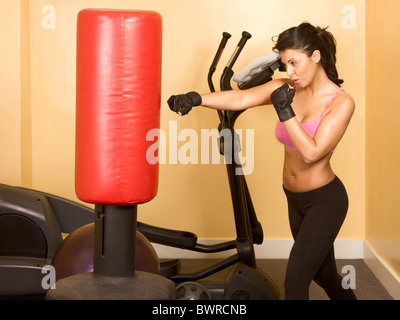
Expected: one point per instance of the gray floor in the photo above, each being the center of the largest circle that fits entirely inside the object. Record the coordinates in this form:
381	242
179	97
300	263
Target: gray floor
368	286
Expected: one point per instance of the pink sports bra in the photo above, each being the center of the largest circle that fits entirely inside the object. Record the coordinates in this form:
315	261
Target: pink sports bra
309	127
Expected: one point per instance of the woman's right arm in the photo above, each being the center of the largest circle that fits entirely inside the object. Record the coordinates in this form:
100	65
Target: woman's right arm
227	100
241	99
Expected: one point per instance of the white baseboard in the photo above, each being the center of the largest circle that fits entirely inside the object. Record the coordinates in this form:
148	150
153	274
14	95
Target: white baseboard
269	249
382	271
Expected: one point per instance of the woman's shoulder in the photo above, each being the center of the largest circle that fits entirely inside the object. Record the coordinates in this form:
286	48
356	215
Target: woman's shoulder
342	103
346	99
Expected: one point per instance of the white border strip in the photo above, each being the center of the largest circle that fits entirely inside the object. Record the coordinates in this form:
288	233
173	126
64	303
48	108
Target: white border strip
382	271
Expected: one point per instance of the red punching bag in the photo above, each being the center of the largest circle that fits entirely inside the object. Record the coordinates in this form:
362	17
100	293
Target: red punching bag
118	90
118	85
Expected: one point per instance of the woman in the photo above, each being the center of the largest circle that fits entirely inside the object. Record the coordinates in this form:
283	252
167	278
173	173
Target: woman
314	112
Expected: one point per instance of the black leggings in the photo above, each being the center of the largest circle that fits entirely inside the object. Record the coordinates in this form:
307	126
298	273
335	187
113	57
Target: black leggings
315	219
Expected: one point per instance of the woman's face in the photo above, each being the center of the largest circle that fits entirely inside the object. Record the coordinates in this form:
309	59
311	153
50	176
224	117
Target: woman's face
300	67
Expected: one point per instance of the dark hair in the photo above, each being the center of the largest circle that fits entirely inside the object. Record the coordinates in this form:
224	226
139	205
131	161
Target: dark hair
308	38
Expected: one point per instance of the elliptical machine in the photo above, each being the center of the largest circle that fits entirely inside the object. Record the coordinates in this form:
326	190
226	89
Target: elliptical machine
31	227
244	281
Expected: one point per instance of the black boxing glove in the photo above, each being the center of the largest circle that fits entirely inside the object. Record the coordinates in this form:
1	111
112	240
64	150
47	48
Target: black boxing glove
183	103
281	99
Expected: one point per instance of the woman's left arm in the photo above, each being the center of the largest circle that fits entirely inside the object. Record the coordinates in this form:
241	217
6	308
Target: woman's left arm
330	131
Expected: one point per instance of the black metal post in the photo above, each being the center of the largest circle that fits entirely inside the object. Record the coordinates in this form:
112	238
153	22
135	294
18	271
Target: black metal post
114	239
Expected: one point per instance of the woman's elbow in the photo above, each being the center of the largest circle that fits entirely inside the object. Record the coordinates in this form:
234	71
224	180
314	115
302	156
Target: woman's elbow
313	156
309	160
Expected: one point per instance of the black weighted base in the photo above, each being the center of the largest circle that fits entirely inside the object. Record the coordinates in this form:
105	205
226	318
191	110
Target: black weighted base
90	286
114	276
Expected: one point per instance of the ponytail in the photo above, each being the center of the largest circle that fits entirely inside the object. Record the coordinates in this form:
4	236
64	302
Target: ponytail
308	38
328	55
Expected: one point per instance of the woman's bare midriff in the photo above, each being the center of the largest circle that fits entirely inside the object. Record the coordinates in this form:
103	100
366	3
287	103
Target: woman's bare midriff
299	176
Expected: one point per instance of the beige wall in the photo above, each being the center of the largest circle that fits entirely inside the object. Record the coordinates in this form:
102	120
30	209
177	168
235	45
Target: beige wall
382	138
10	97
191	197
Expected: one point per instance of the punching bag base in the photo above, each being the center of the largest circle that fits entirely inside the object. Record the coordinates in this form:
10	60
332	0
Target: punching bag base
90	286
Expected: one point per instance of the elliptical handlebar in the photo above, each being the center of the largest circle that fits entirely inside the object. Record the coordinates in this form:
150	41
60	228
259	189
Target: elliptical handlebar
228	72
224	40
213	67
228	118
245	36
